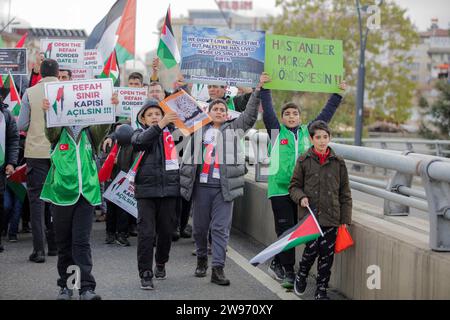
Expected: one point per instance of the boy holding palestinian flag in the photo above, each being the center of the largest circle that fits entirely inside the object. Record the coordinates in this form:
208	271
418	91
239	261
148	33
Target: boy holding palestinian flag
72	187
320	180
290	139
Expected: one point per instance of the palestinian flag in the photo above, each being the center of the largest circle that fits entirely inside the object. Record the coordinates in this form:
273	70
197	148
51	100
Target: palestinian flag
48	51
106	170
21	42
104	35
111	69
168	48
306	230
12	98
131	175
126	42
58	104
17	183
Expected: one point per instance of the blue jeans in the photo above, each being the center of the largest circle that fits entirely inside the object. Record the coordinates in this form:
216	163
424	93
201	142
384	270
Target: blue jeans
13	211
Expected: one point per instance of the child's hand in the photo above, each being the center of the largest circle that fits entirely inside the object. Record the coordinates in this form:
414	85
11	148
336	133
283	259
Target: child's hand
115	99
343	86
263	79
9	170
45	105
168	118
107	143
304	202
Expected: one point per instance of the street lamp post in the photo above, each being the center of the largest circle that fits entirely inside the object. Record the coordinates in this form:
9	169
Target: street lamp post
359	120
361	80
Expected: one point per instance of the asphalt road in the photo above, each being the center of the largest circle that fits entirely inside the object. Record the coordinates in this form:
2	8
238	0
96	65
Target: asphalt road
115	270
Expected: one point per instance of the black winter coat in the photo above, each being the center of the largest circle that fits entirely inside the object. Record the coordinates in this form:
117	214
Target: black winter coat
11	137
152	179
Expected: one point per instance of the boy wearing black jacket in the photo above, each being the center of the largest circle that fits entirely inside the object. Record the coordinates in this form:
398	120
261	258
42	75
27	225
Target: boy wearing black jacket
157	188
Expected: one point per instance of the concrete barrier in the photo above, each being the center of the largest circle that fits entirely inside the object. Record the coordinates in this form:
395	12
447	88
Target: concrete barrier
408	268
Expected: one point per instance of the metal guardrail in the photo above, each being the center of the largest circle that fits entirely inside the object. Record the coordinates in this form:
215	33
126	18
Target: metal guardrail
440	148
398	194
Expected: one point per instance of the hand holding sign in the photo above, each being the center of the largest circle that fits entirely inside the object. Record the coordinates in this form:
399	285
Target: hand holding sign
343	86
45	104
190	116
265	78
169	117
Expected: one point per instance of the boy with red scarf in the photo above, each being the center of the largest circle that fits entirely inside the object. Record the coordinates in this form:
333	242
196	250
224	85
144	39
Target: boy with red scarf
157	185
320	181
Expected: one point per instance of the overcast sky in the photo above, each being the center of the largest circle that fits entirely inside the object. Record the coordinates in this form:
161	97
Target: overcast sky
85	14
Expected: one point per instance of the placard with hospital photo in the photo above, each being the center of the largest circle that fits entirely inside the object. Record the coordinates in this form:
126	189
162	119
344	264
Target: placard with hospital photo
191	115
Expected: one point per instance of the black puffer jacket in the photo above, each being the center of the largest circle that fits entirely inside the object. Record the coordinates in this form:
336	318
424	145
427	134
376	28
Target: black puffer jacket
11	136
152	179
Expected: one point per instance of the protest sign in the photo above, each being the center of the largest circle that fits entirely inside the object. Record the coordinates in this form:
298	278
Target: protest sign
68	53
13	61
301	64
82	74
93	61
191	116
130	98
80	103
222	56
121	193
200	92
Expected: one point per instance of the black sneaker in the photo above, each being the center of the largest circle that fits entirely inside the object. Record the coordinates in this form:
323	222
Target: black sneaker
37	257
2	248
146	281
321	294
276	271
133	231
218	277
26	228
160	272
89	295
186	233
176	236
300	285
289	279
65	294
202	267
110	238
12	238
122	240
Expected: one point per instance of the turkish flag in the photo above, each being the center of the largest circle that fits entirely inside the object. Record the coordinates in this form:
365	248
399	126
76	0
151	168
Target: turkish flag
284	142
63	147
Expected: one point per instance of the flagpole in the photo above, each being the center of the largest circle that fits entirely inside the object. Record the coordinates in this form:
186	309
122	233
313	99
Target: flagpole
134	33
320	229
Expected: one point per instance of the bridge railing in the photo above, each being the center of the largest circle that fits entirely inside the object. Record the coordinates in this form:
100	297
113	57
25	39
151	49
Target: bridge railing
440	148
399	194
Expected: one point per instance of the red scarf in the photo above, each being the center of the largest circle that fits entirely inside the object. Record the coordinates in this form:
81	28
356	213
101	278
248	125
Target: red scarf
170	151
322	157
209	149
